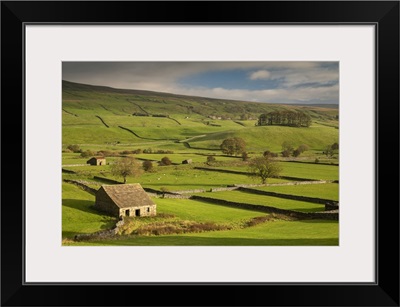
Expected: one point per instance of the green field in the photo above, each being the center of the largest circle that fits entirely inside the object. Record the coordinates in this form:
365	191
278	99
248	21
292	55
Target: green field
78	215
262	200
113	121
326	190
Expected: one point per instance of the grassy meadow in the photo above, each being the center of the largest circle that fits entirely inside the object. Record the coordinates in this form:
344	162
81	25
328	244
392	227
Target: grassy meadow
149	126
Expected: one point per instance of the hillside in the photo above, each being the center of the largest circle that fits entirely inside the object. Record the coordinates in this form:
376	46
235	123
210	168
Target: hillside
103	115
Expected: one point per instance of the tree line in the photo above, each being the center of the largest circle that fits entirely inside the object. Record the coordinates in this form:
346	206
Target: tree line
284	118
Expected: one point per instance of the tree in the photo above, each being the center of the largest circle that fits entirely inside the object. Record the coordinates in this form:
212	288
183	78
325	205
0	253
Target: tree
166	161
74	148
331	149
286	145
245	156
296	153
335	146
87	153
303	147
125	167
233	146
270	154
147	166
264	168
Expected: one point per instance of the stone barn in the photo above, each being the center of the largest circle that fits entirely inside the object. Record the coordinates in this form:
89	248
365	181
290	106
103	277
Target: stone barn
96	161
124	200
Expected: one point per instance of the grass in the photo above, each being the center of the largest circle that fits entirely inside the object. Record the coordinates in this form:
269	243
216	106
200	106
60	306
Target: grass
188	209
78	214
310	171
300	170
255	199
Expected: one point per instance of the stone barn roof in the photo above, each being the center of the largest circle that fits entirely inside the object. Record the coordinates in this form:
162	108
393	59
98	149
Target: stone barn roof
128	195
98	158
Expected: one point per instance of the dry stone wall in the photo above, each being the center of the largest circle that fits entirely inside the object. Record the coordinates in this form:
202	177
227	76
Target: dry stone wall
288	196
82	185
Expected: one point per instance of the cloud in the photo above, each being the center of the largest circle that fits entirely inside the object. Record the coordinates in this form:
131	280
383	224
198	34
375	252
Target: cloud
260	75
294	82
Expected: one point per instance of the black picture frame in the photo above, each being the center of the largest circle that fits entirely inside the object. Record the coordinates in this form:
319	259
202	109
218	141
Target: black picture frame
383	14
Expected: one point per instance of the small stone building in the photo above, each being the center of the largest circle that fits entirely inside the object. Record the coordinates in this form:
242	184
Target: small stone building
96	161
187	161
124	200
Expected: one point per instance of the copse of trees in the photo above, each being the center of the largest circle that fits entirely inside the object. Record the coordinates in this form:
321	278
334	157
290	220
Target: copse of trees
284	118
233	146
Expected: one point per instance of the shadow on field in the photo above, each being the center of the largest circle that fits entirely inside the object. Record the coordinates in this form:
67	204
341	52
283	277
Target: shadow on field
82	205
202	241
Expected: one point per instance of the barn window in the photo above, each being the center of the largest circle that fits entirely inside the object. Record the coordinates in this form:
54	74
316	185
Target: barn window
137	212
148	209
127	212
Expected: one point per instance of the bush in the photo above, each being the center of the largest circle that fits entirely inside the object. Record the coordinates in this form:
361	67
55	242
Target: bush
316	160
211	159
245	156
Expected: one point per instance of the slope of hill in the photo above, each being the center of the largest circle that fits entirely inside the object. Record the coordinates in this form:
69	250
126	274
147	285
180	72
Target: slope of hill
101	115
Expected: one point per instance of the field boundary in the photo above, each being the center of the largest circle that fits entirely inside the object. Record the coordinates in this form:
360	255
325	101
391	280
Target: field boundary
315	200
104	123
106	180
82	186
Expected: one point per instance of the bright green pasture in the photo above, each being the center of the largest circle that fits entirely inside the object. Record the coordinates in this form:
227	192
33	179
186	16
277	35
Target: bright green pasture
324	190
172	178
300	170
198	211
310	171
96	134
272	137
274	233
263	200
78	214
176	178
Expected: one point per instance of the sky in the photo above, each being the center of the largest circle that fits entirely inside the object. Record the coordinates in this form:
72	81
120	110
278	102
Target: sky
271	82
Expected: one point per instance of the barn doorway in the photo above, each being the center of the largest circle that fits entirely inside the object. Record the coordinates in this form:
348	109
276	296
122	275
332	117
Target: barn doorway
137	212
127	212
